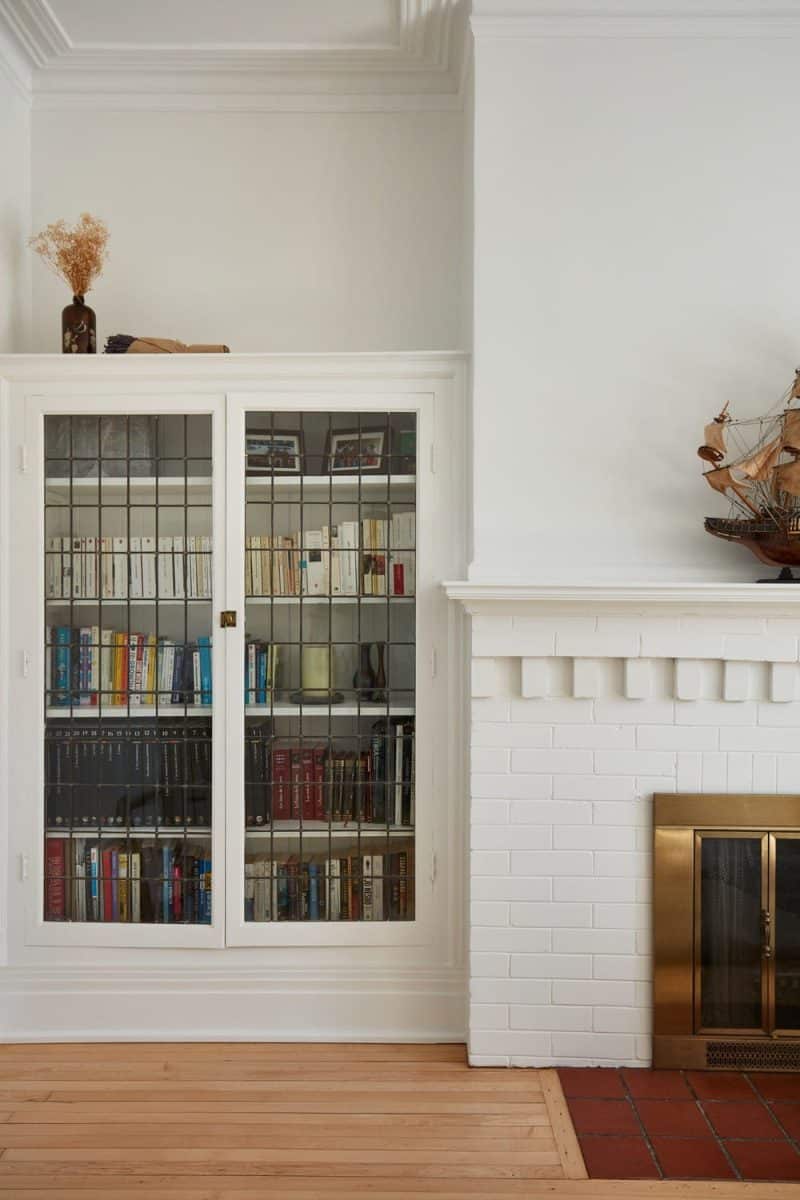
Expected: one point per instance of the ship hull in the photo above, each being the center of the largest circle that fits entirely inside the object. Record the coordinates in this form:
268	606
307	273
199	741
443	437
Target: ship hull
761	538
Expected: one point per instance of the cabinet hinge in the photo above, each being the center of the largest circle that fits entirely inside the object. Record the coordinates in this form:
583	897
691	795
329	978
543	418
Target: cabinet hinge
23	863
22	460
433	459
434	867
434	664
25	664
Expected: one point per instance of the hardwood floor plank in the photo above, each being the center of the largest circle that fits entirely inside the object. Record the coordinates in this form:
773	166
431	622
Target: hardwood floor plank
211	1137
297	1052
561	1123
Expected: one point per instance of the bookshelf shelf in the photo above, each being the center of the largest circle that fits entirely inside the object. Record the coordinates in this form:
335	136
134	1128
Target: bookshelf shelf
132	832
321	830
339	600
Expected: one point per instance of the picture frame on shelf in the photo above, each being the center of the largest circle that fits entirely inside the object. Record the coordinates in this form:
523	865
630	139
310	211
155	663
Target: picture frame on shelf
355	452
274	452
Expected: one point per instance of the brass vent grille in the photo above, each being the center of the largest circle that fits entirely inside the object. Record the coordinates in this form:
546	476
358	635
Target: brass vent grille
754	1056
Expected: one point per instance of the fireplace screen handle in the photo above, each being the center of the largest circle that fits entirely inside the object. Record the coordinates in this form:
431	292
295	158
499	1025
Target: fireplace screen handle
766	932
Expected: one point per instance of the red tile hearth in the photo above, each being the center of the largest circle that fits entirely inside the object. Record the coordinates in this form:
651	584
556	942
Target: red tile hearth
640	1124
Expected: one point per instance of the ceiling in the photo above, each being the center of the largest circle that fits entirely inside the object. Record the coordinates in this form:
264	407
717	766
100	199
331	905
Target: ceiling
240	53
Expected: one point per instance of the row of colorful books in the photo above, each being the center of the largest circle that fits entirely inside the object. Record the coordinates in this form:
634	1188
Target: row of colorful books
124	669
285	781
348	559
127	774
135	568
98	881
365	887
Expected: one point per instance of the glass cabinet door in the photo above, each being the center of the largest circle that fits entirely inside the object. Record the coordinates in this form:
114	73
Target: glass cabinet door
128	682
328	683
730	912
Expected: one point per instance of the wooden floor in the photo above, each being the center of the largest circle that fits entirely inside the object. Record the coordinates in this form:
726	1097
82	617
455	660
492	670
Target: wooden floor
235	1122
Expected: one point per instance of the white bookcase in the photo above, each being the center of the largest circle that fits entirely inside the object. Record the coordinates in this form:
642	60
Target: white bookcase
233	696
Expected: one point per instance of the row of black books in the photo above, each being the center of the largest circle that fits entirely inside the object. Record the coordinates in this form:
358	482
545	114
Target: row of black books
128	774
136	882
318	781
356	887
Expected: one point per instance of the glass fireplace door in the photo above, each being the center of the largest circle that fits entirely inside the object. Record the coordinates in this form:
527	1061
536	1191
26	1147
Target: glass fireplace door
732	932
785	905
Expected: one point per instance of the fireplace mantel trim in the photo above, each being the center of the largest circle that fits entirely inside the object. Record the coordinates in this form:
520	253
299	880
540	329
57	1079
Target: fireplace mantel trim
745	598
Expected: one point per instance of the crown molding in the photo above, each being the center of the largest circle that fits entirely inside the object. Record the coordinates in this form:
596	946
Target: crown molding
14	65
423	69
513	19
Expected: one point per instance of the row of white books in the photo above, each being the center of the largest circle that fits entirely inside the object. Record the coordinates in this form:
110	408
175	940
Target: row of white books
119	568
372	558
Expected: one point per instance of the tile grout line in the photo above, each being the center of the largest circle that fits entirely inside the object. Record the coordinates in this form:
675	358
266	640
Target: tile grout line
651	1149
762	1099
718	1140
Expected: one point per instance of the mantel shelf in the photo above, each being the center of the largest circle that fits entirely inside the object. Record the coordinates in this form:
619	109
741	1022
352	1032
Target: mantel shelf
517	595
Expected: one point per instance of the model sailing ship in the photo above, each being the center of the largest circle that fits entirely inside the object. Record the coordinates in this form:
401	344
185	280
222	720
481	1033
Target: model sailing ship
756	465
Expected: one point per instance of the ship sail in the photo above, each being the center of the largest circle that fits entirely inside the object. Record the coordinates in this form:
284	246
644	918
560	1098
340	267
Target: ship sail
759	466
791	429
787	478
721	479
714	449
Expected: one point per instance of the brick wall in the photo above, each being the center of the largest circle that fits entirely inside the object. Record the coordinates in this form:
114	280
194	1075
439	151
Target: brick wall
576	722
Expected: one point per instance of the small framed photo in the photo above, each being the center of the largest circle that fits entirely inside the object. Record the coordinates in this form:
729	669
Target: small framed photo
355	451
276	451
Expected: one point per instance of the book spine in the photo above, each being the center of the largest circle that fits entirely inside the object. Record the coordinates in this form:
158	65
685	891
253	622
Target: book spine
56	885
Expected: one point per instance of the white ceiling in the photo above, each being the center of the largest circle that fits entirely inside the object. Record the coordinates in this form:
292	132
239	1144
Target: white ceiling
237	53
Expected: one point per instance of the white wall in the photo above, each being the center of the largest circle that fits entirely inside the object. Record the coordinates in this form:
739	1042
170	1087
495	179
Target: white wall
636	265
268	231
14	215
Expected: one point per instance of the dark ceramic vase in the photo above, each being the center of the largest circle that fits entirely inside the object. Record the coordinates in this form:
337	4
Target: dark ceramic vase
78	328
379	677
364	678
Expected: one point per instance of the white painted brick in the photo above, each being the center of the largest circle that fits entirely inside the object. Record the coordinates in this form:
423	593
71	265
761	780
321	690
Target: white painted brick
648	785
491	966
490	862
492	636
594	837
511	787
740	772
551	916
621	916
644	838
644	891
555	710
510	991
546	762
490	624
594	941
498	837
780	715
618	966
645	624
535	677
765	773
585	677
782	683
511	887
609	644
594	1046
551	862
623	812
638	678
487	912
715	772
716	712
770	648
510	736
560	622
551	966
511	941
488	1016
594	992
768	740
588	787
644	994
514	1042
633	762
488	1060
489	812
688	679
689	775
736	680
534	643
592	888
684	645
628	864
634	712
622	1020
677	737
716	624
644	942
644	1050
595	737
536	812
550	1017
789	773
490	759
484	677
494	708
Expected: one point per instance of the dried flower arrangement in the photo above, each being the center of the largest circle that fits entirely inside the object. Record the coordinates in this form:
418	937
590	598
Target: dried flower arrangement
77	255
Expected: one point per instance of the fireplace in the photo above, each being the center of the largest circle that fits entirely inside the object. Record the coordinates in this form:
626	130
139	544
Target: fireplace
726	913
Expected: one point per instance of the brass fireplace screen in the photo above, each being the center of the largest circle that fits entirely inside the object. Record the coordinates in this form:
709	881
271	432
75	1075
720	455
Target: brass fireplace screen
726	910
